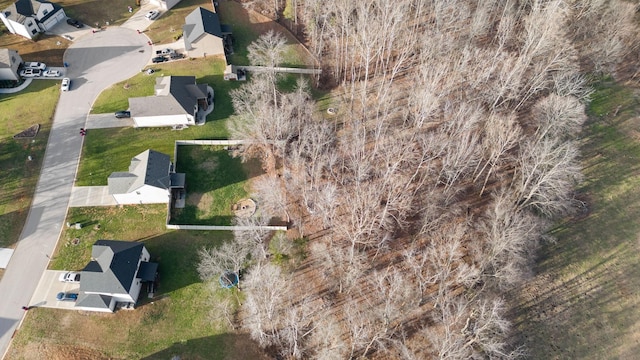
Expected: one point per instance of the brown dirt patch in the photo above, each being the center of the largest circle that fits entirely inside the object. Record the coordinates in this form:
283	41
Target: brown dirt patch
47	49
202	201
39	351
209	165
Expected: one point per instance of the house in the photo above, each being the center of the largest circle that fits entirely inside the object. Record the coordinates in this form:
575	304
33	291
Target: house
204	35
176	102
30	17
164	4
114	275
9	63
150	180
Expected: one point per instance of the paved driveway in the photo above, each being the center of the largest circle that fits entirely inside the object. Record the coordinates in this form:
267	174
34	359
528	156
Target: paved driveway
96	61
48	287
82	196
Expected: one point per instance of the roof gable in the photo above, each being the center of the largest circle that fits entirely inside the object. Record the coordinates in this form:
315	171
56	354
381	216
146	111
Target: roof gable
113	267
147	168
199	22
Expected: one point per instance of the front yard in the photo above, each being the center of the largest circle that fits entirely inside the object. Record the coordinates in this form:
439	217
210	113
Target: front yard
19	175
178	321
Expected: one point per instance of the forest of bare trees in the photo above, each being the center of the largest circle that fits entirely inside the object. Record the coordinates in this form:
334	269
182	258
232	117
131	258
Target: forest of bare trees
425	197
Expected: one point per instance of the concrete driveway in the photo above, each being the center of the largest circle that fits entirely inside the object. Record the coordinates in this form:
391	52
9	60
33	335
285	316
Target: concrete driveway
82	196
48	287
96	61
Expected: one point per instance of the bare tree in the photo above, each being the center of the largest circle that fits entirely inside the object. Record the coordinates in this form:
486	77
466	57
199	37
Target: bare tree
265	305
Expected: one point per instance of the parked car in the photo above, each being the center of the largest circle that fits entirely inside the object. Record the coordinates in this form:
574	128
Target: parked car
71	277
123	114
66	84
75	23
30	72
152	15
166	51
176	55
51	73
159	59
66	296
35	65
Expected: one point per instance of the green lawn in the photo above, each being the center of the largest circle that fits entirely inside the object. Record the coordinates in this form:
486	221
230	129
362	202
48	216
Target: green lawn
584	302
19	176
215	181
177	316
109	150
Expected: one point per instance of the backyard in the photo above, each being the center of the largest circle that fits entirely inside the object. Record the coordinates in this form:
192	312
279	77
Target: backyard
215	181
177	321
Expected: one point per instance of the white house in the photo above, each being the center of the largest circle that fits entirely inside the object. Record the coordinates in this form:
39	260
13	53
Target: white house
176	102
149	181
164	4
203	34
114	275
9	63
30	17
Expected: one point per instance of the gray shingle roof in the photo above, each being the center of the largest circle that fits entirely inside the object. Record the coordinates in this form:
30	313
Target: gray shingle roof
199	22
113	267
174	95
93	301
147	168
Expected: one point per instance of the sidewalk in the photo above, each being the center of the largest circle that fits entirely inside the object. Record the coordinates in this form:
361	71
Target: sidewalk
16	89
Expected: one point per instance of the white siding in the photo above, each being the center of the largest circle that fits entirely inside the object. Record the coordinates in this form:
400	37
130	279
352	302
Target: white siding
144	195
8	74
167	120
54	20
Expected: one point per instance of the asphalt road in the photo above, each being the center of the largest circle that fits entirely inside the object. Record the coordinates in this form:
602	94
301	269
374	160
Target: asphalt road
95	62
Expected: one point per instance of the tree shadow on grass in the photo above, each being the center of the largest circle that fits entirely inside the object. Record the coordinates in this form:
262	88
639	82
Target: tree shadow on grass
223	346
177	256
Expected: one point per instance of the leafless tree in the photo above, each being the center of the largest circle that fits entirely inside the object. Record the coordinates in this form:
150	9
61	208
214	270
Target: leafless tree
264	305
230	256
547	172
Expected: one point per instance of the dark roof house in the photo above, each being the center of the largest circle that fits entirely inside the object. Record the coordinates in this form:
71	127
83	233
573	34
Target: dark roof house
203	33
176	101
114	275
149	180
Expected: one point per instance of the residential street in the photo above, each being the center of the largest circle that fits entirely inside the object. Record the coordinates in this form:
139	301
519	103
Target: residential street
95	62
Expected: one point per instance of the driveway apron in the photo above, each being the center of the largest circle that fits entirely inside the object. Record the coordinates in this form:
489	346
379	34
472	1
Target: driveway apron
95	62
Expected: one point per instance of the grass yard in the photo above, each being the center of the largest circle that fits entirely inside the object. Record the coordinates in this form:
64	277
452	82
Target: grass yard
177	322
247	26
584	302
19	175
168	27
215	181
99	13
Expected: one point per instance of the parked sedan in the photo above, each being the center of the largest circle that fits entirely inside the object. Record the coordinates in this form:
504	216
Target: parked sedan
70	277
35	65
123	114
152	15
66	84
159	59
66	296
75	23
51	73
30	72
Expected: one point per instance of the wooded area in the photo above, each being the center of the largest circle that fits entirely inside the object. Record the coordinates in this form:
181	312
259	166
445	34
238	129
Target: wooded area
425	197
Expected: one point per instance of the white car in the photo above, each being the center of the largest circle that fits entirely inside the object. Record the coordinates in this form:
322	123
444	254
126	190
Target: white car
35	65
30	72
70	277
66	84
152	15
51	73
